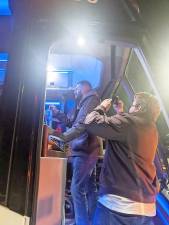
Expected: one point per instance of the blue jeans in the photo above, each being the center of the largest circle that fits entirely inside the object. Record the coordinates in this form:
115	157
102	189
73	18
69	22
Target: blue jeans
105	216
83	188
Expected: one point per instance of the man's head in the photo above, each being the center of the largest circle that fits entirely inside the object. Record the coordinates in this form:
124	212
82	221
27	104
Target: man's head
82	88
146	103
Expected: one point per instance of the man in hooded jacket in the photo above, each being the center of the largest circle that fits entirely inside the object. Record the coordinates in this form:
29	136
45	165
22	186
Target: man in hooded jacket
85	148
128	182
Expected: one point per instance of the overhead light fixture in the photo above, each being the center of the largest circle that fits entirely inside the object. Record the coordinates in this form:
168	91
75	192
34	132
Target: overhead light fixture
93	1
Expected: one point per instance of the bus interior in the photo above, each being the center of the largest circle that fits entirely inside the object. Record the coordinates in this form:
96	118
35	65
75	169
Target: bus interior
46	48
116	72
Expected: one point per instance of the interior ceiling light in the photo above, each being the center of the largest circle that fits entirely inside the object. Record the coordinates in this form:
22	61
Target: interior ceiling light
90	1
93	1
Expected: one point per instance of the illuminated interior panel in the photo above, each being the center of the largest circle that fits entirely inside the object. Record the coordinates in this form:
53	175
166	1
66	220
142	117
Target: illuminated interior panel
59	79
3	67
4	8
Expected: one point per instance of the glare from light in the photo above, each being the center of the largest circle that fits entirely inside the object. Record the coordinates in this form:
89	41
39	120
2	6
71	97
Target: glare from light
51	77
52	103
50	67
81	41
93	1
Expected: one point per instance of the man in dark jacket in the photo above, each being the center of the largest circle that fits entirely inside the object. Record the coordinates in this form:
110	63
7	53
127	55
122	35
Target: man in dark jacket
85	148
128	183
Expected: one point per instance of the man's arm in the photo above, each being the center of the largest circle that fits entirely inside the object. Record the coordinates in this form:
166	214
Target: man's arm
79	127
109	127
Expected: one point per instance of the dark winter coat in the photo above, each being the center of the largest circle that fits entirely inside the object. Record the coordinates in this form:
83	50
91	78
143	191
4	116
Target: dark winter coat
128	167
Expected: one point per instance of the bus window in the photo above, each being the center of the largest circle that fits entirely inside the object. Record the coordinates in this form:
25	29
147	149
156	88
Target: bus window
136	81
135	74
139	82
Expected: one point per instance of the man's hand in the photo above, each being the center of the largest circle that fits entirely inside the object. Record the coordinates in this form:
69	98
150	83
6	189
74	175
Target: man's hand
119	107
106	104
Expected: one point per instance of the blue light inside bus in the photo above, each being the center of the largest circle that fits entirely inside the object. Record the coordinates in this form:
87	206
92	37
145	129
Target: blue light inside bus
3	66
3	57
164	205
4	8
52	103
55	103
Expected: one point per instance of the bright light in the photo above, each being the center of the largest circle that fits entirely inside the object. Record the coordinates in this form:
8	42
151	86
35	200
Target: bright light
50	68
51	77
81	41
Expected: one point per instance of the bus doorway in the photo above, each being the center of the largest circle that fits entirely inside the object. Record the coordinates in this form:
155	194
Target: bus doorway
131	77
65	68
